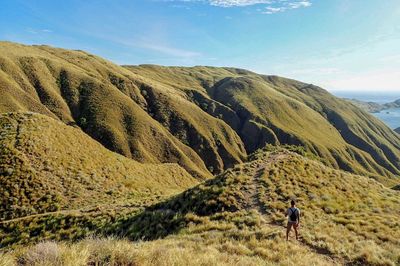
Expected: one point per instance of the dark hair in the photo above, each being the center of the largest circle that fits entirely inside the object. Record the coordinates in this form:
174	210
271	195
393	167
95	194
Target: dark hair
293	202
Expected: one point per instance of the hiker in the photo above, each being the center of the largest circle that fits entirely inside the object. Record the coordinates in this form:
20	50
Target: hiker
293	215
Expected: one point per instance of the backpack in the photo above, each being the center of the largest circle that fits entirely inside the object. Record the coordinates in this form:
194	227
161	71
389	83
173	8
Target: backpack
293	214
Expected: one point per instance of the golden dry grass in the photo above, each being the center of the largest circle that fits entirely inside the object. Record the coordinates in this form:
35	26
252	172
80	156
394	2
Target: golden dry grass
345	216
238	219
203	118
60	184
49	166
276	110
205	249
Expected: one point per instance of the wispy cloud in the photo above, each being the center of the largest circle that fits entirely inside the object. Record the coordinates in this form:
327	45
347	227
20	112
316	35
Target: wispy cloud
232	3
228	3
270	6
172	51
282	6
299	4
38	31
273	10
158	46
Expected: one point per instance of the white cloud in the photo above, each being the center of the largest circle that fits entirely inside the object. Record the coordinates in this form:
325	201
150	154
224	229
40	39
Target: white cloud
299	4
273	10
282	6
232	3
38	31
272	6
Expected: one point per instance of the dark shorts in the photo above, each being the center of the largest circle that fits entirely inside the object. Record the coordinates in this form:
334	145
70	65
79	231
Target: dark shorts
291	223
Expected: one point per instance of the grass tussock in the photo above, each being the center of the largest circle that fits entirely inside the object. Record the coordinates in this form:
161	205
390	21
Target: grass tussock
202	249
238	218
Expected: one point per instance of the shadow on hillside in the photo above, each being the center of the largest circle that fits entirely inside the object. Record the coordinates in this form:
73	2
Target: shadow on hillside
171	216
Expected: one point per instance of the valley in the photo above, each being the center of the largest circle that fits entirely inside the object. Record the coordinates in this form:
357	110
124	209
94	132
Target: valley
104	164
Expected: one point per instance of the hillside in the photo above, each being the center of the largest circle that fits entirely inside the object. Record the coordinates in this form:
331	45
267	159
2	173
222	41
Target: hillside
119	109
238	218
269	109
47	166
397	130
341	212
203	118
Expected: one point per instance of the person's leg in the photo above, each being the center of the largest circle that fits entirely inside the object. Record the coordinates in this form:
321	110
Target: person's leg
295	230
289	226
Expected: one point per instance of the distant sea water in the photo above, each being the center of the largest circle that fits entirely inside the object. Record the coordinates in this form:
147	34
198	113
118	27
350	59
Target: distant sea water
391	116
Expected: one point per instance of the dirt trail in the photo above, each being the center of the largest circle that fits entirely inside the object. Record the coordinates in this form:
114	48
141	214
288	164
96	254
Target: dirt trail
41	215
252	192
254	188
93	209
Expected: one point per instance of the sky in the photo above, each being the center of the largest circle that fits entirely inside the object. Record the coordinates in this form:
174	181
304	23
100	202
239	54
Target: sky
341	45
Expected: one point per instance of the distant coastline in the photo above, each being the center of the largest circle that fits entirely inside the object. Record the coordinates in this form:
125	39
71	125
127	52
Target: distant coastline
380	97
383	105
374	107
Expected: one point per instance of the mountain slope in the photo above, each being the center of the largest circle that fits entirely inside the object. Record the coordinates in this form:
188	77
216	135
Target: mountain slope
205	119
268	109
106	101
397	130
345	217
47	166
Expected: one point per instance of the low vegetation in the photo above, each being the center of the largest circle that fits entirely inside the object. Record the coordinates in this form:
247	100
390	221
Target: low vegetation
238	218
47	166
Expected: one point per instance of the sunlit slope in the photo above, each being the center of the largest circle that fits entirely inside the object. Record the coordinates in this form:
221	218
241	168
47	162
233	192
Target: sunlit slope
348	218
269	109
126	113
357	127
47	166
206	119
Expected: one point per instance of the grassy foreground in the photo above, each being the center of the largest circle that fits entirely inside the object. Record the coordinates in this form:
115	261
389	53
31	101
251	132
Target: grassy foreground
214	248
238	219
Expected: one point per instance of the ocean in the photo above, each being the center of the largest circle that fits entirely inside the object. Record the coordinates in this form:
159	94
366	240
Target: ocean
391	116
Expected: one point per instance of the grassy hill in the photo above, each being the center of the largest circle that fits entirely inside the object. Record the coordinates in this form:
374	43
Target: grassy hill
88	147
269	109
127	114
47	166
344	216
238	219
205	119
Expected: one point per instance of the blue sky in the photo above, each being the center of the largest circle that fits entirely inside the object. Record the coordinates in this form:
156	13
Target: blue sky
337	44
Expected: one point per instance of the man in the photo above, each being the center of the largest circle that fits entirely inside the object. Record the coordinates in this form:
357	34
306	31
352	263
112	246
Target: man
293	215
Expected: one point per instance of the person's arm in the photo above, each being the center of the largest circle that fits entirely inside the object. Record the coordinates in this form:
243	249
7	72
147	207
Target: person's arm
298	218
